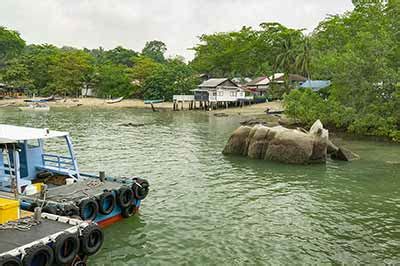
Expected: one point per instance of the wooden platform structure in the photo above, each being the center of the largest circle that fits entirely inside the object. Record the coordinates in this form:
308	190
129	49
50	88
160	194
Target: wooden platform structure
206	104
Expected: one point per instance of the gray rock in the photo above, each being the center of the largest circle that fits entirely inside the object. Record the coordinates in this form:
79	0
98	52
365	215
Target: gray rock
238	143
344	154
290	146
285	145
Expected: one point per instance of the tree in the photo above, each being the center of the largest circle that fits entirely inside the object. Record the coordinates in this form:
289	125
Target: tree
113	81
11	44
71	70
142	69
17	74
303	59
173	77
155	50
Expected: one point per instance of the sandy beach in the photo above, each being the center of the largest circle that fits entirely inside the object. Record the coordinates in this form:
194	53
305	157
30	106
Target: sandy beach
256	109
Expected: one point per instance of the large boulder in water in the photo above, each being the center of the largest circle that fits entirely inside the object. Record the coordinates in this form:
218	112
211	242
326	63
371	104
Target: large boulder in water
281	144
290	146
238	141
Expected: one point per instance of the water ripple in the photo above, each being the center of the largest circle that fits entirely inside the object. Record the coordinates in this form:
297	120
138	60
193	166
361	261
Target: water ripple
208	209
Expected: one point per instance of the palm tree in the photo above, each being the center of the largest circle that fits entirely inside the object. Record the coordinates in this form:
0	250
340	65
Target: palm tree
287	59
303	60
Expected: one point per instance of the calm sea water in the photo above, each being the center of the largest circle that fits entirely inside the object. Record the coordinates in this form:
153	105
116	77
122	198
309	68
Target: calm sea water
208	209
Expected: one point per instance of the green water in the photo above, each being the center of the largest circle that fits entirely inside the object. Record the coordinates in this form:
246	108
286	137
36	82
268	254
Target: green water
208	209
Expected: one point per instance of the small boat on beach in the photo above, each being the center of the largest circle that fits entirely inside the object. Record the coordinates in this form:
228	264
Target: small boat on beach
43	100
115	100
41	176
153	101
35	107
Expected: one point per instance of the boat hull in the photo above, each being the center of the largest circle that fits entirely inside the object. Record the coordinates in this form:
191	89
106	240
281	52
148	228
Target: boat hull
107	220
36	109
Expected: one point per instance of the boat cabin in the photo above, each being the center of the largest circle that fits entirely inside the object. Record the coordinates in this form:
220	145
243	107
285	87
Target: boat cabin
24	155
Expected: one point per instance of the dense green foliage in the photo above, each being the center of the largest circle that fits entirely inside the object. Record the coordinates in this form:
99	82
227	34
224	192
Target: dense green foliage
11	45
249	52
359	52
155	50
49	70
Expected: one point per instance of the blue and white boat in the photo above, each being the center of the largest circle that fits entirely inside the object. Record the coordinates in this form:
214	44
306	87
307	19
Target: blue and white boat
53	180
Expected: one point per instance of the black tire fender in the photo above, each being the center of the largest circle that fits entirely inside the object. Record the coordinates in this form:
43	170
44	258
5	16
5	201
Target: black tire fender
91	239
90	204
128	211
107	196
66	242
140	188
42	253
50	209
9	260
125	196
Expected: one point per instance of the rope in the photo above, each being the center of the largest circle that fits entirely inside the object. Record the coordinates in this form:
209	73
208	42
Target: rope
24	224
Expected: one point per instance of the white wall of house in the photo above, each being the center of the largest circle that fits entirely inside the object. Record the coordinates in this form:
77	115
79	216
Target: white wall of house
226	95
87	92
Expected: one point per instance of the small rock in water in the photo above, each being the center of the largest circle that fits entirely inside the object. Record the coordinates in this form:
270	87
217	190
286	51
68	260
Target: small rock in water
344	154
220	115
131	125
253	122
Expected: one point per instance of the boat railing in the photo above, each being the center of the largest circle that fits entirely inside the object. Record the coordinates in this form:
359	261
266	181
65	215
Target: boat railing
61	162
6	169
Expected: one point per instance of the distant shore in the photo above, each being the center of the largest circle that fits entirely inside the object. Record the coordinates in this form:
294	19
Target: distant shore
250	110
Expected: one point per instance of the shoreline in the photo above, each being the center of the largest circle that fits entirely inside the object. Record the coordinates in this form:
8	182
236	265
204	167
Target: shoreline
249	110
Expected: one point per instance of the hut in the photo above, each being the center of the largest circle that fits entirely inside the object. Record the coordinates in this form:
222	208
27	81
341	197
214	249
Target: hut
258	86
294	79
10	91
219	90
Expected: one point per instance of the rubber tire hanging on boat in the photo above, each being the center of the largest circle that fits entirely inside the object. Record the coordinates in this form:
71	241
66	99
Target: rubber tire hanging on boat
33	252
61	245
88	203
50	209
9	260
107	196
125	196
128	211
91	239
140	188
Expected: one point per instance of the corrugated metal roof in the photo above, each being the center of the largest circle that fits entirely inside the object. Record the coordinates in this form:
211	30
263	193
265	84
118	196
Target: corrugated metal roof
16	133
292	77
255	81
316	84
211	83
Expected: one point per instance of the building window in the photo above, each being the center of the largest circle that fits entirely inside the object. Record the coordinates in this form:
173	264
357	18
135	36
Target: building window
233	93
220	93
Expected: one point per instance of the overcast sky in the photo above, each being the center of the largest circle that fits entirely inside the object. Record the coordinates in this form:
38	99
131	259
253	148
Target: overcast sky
130	23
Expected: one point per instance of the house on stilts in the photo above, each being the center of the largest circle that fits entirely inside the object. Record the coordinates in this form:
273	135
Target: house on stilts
214	93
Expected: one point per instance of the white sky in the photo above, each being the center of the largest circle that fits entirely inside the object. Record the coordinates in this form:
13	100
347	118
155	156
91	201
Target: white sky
130	23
